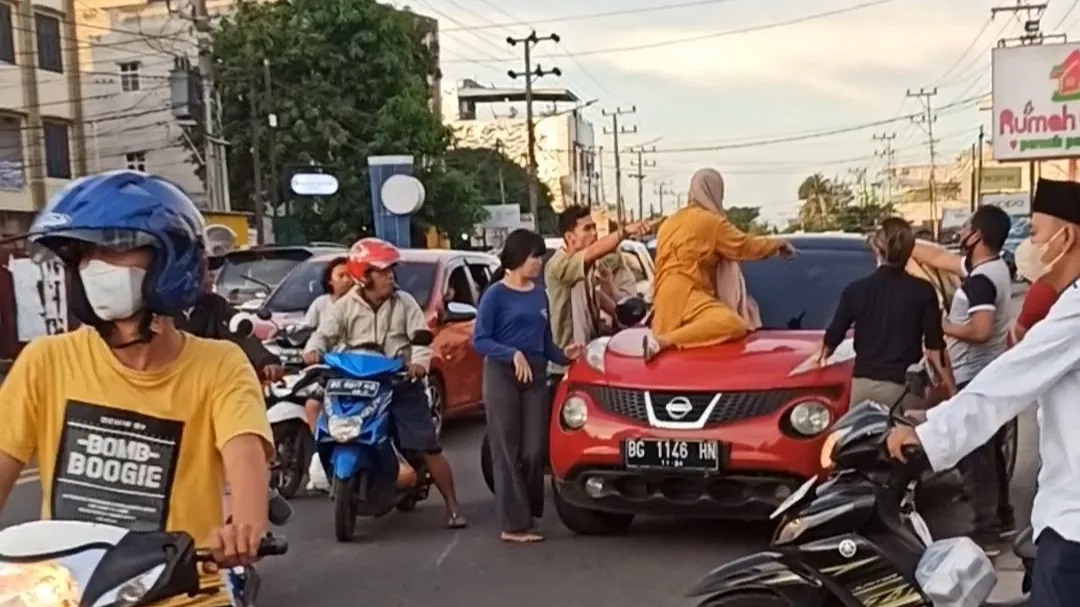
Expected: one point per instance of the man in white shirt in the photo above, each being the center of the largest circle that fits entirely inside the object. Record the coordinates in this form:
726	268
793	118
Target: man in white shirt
1043	369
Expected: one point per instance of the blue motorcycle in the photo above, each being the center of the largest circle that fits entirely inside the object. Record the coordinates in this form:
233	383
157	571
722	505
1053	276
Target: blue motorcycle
355	438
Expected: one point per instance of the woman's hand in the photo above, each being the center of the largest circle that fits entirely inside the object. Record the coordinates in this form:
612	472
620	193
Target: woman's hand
787	250
522	370
574	351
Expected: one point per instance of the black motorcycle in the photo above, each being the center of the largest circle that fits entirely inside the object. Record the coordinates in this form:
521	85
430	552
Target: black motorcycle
854	540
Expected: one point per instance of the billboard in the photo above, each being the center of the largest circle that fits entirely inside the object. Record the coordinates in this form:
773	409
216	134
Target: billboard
996	179
1036	102
1013	204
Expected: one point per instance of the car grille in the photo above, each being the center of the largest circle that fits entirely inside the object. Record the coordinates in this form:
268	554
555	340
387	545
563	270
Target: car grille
731	407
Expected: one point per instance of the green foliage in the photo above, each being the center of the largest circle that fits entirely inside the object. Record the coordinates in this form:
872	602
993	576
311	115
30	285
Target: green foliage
747	219
836	205
349	80
498	178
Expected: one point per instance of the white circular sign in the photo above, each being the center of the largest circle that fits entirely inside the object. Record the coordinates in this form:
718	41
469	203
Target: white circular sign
313	184
403	195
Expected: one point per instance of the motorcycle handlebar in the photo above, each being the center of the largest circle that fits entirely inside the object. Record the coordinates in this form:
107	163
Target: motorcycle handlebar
270	545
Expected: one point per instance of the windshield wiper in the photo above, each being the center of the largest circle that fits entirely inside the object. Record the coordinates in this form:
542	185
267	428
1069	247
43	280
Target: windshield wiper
257	281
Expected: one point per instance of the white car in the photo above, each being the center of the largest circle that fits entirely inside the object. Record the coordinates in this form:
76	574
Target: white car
636	257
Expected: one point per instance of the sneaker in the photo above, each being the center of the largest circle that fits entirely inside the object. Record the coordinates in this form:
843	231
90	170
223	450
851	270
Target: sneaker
988	542
1008	531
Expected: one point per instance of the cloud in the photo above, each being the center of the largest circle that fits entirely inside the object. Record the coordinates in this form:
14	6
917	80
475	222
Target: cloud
849	57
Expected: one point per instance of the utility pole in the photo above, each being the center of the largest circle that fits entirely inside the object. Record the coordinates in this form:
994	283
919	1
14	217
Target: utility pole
530	129
217	181
979	159
256	163
927	119
662	189
890	157
271	121
641	164
615	131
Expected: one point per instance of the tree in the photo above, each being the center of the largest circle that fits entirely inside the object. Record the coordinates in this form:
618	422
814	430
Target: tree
498	179
820	202
349	82
747	219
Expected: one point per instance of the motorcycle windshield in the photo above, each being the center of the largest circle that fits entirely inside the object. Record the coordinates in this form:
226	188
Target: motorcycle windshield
362	365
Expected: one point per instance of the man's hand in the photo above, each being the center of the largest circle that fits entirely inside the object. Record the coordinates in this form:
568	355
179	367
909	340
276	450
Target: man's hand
312	358
273	373
787	250
574	351
821	356
235	545
900	437
637	228
415	371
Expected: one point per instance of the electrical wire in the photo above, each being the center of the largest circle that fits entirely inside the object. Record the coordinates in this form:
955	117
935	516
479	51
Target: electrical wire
598	15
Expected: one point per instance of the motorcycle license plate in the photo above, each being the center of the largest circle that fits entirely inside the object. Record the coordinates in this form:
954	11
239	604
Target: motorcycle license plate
668	454
359	388
794	498
291	357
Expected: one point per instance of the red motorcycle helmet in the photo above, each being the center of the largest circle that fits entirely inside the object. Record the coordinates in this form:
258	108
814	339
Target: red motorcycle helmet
371	253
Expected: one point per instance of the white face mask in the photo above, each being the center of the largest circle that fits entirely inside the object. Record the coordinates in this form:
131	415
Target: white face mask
114	292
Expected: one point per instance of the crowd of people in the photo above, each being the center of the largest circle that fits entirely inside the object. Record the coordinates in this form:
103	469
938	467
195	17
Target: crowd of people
153	357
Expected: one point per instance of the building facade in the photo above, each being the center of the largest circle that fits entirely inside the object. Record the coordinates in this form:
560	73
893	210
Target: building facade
42	144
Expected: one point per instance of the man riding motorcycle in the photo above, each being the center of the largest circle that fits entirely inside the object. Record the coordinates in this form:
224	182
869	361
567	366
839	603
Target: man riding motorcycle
133	422
377	312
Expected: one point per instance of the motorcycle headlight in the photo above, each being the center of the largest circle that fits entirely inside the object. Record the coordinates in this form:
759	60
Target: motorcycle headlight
810	418
830	445
574	412
37	584
595	351
345	429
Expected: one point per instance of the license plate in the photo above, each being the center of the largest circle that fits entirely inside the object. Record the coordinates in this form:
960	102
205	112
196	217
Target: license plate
291	357
671	454
794	498
358	388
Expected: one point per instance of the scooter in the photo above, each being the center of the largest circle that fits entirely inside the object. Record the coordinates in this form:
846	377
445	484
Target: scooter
355	445
856	539
293	440
94	565
631	312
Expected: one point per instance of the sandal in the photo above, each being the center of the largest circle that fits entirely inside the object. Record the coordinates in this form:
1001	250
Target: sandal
456	521
527	537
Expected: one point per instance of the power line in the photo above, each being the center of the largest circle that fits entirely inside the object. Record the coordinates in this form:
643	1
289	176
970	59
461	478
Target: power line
641	164
530	127
974	41
714	35
599	15
928	118
615	131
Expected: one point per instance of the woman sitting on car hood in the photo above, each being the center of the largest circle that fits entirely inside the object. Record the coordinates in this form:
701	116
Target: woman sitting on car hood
700	296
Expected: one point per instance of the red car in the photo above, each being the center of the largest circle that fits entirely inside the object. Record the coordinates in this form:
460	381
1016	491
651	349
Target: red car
724	431
447	284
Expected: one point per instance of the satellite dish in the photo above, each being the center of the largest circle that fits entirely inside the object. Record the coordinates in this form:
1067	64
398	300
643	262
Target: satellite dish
220	239
403	194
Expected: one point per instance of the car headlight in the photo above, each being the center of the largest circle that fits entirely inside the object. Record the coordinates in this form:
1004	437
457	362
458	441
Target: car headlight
345	429
829	445
595	351
810	418
35	584
574	412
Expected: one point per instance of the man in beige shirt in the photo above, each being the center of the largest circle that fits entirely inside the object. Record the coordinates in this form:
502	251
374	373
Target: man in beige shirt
573	300
375	313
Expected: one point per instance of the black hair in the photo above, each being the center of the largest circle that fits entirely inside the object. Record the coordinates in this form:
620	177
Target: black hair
328	273
993	225
519	246
570	216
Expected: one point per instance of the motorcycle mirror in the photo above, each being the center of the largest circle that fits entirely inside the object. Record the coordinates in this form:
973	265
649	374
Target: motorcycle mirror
263	314
423	337
241	326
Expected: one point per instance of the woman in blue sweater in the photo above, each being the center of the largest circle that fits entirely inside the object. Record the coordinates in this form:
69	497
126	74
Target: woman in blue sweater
513	335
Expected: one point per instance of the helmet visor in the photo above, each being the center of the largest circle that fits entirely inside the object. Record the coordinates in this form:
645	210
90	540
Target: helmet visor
69	243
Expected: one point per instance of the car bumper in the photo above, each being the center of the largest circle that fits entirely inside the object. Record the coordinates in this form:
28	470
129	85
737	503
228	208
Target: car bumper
729	496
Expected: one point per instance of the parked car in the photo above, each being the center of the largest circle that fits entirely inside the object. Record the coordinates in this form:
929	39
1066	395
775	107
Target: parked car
250	274
723	431
446	284
636	257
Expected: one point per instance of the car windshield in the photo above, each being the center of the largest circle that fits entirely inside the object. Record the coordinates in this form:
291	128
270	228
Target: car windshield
247	273
802	293
303	285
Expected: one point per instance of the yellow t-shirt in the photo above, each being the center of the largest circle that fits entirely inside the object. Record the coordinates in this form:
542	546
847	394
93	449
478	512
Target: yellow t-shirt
136	449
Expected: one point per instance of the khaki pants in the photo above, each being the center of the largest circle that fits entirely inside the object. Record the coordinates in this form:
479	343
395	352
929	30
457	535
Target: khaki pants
884	392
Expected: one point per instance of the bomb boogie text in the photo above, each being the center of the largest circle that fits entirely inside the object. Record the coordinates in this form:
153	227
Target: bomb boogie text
117	460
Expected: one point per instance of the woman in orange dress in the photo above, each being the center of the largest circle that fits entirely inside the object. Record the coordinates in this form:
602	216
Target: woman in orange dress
696	248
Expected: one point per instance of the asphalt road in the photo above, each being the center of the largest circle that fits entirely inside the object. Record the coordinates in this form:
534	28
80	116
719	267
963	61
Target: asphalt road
412	560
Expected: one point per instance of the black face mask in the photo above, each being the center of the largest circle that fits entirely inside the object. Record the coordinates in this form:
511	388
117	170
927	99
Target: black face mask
968	244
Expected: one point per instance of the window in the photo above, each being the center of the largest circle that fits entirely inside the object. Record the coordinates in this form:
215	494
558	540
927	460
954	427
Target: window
7	35
57	150
304	284
459	288
481	275
12	178
136	161
129	76
49	48
802	293
633	263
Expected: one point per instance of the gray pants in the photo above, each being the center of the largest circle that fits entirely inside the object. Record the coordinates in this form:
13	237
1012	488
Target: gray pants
517	426
884	392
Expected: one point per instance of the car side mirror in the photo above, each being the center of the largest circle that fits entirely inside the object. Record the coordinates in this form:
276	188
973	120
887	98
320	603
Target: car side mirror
423	337
263	314
458	312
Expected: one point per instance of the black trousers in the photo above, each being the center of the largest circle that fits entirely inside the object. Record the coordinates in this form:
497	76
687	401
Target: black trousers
1056	580
986	484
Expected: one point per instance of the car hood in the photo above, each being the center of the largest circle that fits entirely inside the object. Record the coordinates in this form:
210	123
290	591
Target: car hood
266	329
763	360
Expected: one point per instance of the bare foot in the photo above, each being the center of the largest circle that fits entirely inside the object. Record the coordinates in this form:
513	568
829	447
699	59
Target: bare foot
527	537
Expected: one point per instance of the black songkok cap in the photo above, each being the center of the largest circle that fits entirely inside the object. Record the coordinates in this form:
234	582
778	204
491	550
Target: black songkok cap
1059	199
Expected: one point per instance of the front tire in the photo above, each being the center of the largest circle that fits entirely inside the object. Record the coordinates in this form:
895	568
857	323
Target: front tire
344	495
746	598
294	446
437	402
584	521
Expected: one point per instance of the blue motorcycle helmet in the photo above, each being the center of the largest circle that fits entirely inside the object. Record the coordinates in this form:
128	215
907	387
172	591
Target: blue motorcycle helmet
125	210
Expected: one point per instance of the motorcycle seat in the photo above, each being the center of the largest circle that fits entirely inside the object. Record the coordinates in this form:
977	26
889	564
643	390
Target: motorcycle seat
1024	544
1020	601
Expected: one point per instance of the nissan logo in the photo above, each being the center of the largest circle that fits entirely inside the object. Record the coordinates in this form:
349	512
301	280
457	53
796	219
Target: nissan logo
678	407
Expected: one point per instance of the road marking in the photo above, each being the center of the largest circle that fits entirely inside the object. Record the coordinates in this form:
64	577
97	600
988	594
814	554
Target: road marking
28	475
446	551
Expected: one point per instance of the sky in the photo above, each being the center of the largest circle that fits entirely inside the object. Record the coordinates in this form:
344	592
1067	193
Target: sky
806	67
